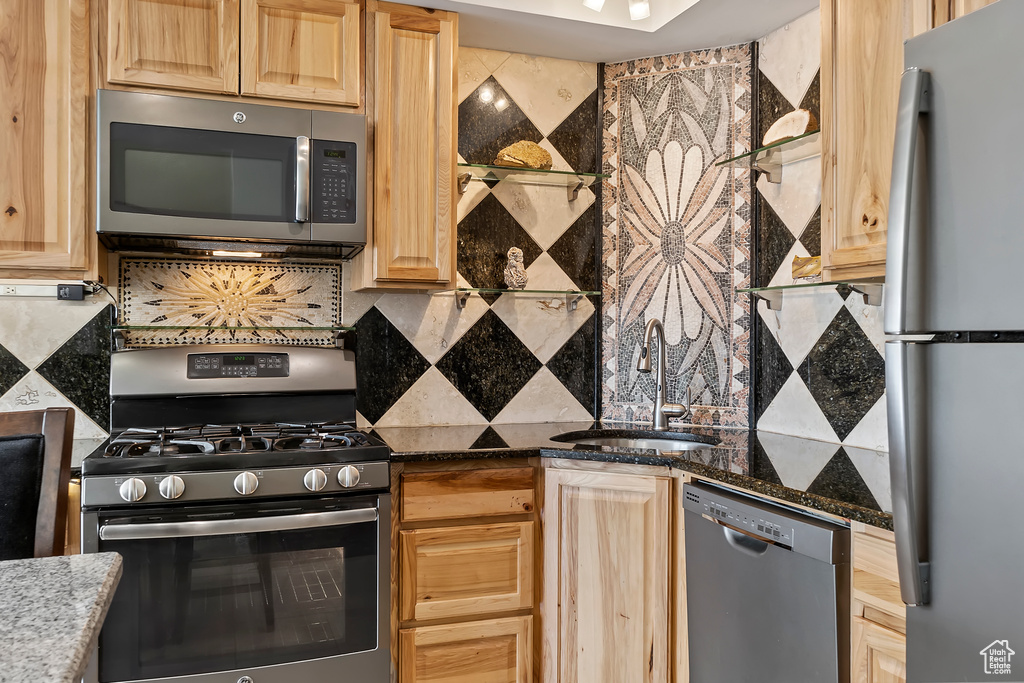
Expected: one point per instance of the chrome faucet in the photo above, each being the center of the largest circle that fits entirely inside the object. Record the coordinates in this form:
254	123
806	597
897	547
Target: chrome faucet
662	410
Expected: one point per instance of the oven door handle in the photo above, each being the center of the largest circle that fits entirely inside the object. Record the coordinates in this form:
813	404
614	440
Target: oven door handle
224	527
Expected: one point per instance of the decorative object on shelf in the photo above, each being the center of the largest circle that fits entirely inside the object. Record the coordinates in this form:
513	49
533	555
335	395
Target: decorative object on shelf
790	126
524	154
806	268
515	271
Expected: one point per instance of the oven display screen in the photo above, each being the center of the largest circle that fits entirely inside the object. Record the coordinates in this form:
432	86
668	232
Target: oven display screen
204	366
239	360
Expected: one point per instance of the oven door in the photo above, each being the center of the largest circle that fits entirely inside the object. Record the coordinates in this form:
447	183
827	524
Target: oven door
280	592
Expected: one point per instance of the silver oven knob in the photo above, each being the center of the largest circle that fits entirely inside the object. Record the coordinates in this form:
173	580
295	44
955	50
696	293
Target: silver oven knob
348	476
172	487
315	479
246	483
133	489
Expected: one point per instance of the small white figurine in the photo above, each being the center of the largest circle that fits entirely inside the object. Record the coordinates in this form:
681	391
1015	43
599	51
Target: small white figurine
515	272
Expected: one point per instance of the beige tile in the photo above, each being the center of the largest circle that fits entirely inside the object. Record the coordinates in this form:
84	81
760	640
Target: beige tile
472	72
546	89
543	399
32	328
33	392
791	56
543	323
432	400
432	323
491	59
354	304
442	437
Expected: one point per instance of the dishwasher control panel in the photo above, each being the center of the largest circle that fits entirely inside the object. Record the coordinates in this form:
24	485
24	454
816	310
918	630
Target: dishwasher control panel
767	521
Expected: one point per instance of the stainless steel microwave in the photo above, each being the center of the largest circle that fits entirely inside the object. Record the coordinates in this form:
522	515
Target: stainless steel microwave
180	171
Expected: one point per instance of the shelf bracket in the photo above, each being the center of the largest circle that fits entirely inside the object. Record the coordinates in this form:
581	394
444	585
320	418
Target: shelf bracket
573	189
871	292
771	169
119	340
772	298
339	339
460	299
464	179
572	301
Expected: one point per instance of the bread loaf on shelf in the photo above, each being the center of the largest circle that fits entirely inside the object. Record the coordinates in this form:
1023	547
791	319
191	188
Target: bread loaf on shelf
789	126
524	154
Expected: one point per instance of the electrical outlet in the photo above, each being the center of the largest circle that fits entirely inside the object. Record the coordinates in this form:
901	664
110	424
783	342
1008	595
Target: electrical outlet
8	290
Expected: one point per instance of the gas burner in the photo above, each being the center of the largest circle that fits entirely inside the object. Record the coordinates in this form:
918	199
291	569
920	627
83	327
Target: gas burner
243	444
321	441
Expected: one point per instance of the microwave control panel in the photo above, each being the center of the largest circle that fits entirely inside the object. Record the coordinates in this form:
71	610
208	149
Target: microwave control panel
333	167
201	366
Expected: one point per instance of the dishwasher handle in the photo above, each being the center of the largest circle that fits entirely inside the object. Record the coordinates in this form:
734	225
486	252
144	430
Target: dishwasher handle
748	545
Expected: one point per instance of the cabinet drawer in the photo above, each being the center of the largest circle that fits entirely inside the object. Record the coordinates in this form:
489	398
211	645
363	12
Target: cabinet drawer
462	493
469	570
493	651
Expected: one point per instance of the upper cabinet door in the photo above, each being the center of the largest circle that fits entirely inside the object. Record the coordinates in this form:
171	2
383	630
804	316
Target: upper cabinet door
862	59
414	116
182	44
302	50
44	123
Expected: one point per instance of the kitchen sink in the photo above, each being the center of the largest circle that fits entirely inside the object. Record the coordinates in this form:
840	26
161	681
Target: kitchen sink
664	442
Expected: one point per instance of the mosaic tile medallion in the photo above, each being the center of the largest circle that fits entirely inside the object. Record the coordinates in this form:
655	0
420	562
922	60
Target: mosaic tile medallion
677	231
181	293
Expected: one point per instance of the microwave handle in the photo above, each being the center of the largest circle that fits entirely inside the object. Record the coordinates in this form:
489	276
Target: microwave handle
301	179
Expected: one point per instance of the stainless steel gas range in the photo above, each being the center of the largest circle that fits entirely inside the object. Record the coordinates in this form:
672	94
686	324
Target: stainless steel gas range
253	519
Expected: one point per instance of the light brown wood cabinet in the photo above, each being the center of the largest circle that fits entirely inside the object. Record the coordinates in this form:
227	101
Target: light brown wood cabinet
305	50
606	577
302	50
411	84
465	571
879	617
44	128
181	44
493	651
861	64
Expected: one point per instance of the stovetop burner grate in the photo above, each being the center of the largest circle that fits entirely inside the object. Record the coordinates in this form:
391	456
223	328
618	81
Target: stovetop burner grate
232	439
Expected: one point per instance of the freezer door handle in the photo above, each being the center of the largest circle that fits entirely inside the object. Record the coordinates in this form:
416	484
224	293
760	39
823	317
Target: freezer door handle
903	217
904	381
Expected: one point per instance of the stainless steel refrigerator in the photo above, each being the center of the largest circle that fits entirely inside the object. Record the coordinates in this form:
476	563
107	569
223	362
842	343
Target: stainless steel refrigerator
955	274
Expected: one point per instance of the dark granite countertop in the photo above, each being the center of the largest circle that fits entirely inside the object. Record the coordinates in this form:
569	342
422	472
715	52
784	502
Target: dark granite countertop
843	481
51	610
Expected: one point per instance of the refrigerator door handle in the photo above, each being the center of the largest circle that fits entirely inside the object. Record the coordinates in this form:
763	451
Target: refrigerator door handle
904	381
912	103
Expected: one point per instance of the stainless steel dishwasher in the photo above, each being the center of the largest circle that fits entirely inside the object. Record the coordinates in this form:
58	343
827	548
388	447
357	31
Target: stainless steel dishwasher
767	592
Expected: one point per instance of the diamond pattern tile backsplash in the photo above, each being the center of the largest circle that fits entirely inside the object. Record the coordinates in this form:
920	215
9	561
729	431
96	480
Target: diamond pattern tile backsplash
504	358
819	367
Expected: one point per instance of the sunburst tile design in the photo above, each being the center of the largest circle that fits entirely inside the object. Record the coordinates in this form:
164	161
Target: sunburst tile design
226	294
677	231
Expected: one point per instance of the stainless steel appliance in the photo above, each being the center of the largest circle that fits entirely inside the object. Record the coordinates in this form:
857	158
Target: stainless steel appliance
172	171
253	521
767	591
955	253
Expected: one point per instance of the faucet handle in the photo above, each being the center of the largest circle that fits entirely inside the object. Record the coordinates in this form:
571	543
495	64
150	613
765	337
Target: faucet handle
674	409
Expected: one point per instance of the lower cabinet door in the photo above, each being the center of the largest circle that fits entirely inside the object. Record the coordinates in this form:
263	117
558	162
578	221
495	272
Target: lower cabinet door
465	571
492	651
879	655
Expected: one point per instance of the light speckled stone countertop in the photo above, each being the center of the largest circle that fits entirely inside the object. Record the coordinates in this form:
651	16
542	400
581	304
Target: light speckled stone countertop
51	610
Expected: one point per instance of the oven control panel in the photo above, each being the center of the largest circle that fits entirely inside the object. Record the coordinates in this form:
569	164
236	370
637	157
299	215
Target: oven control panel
203	365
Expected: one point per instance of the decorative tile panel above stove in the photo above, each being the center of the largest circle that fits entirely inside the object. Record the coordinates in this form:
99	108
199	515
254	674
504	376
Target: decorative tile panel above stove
182	293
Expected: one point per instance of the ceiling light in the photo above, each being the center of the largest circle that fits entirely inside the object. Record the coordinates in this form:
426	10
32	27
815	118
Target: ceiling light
639	9
243	254
595	5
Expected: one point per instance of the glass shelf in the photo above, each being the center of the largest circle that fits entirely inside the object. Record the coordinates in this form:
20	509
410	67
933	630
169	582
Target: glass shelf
572	181
772	158
870	289
572	296
225	328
